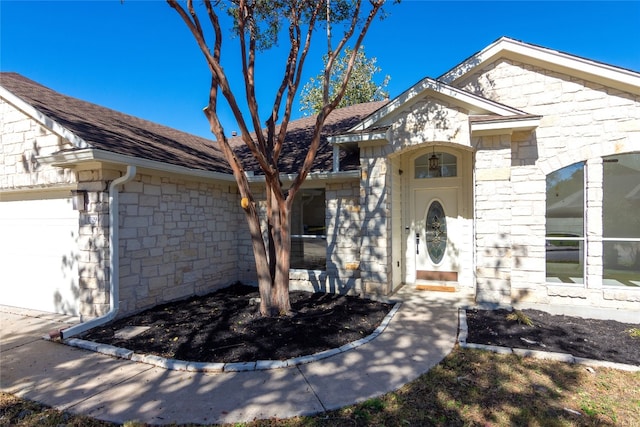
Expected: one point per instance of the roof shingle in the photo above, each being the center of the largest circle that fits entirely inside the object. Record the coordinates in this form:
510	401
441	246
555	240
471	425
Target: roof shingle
116	132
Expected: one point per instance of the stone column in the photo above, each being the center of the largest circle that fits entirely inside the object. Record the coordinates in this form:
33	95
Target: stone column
375	247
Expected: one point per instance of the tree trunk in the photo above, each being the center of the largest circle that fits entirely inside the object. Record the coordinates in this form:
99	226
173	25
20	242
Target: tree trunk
272	258
261	260
280	294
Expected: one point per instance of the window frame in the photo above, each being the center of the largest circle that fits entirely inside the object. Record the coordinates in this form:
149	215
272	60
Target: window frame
312	237
609	240
568	237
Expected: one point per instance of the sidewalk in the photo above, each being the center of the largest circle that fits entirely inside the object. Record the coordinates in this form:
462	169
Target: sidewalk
420	334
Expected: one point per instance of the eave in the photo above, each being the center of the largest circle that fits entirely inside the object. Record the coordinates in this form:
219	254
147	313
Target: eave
503	125
473	103
314	177
549	59
78	158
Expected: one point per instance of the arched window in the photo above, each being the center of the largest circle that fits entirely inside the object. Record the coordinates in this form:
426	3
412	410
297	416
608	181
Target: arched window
436	165
566	218
565	225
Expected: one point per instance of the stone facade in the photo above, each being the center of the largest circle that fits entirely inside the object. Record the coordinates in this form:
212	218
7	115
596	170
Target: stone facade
375	203
178	238
22	141
344	236
581	121
493	218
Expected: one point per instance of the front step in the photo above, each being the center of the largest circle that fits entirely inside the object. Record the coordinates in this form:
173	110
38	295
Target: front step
435	288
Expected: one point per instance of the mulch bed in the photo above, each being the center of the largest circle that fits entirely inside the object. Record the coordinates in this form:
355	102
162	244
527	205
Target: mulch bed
226	326
592	339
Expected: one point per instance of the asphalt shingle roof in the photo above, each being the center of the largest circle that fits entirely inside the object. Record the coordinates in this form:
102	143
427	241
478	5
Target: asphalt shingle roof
117	132
120	133
300	131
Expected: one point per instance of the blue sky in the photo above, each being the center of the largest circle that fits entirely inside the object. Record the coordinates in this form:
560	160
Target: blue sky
139	58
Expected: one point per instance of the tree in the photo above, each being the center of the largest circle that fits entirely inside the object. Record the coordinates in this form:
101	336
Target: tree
257	24
361	87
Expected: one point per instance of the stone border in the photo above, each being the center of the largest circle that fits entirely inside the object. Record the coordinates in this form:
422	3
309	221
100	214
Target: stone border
259	365
463	331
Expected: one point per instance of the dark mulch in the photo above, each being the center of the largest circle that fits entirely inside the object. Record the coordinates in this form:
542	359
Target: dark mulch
593	339
225	326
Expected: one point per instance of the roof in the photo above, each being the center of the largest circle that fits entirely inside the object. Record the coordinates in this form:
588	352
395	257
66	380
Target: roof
116	132
550	59
94	126
486	115
299	133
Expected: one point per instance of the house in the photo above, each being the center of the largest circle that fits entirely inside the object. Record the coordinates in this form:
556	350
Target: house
72	170
513	179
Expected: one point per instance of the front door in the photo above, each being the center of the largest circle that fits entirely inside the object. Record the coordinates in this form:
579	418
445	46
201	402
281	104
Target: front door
435	234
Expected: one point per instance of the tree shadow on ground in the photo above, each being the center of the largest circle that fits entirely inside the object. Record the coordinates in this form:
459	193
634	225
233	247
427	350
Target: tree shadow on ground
478	388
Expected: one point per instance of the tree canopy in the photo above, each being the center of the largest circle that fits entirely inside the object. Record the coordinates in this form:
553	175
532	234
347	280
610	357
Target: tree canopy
361	86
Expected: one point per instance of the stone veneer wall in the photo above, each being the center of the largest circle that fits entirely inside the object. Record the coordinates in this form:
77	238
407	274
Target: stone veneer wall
582	121
375	204
177	238
344	234
92	253
493	219
22	141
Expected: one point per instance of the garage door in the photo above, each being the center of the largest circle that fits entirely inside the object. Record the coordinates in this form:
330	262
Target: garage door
38	255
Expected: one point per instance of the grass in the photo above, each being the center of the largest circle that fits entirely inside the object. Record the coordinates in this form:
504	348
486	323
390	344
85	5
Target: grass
634	332
468	388
520	317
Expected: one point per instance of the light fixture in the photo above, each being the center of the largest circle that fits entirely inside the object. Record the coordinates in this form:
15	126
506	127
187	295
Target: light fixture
434	161
79	200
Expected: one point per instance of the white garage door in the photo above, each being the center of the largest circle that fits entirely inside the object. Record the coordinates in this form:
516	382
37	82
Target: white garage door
38	255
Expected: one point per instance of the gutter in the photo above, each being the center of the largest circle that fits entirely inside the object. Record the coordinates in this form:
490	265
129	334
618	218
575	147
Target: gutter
114	262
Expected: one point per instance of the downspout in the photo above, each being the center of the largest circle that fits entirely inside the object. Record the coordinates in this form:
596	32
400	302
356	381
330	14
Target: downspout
114	260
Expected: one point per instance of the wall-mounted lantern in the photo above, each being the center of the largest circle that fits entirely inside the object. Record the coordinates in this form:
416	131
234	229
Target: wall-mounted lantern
79	200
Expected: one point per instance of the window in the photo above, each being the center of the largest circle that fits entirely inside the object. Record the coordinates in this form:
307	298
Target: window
308	231
446	165
565	225
621	220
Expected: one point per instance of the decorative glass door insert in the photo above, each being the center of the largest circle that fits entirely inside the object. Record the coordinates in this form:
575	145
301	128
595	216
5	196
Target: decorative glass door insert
436	232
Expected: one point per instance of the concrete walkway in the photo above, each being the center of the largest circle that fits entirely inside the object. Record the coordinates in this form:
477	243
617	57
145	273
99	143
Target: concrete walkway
420	334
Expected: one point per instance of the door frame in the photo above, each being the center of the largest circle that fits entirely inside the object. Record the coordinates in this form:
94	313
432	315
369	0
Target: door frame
462	183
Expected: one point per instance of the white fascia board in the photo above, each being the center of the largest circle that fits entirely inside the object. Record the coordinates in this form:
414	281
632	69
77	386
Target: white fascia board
44	120
358	138
458	96
499	127
576	66
73	158
313	177
36	193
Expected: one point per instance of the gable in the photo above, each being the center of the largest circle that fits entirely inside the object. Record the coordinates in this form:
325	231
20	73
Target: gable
430	119
506	49
432	111
90	126
493	88
24	142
